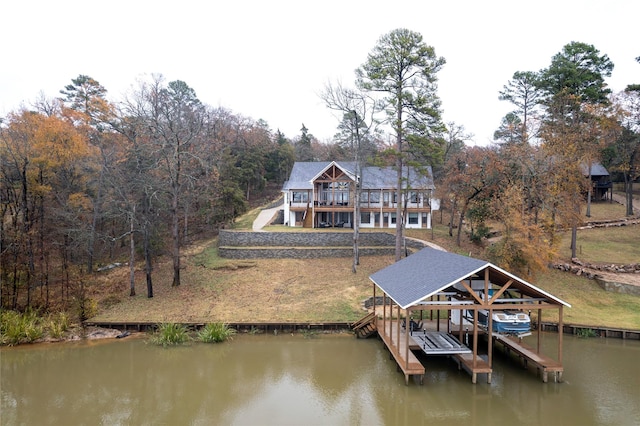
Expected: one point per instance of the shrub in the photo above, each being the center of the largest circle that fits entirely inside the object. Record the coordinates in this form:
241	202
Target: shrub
170	334
216	332
85	308
586	332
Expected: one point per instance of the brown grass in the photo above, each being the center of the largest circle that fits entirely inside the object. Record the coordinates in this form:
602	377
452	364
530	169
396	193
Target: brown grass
316	290
263	290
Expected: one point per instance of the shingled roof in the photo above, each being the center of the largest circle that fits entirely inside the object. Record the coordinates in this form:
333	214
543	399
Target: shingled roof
430	271
304	172
597	169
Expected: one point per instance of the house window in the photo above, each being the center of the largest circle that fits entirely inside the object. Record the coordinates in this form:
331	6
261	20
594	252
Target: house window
425	197
365	217
393	218
374	197
300	197
413	197
413	218
364	197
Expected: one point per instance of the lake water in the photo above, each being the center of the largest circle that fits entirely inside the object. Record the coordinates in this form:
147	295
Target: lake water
302	380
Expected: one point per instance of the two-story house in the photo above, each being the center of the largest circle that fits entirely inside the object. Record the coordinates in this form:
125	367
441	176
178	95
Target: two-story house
322	194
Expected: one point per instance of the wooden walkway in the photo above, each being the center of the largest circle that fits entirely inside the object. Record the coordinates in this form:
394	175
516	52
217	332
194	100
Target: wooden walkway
528	354
397	346
480	366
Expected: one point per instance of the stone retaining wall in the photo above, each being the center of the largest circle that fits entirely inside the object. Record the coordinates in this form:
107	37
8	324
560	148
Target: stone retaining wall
617	287
590	271
305	245
631	268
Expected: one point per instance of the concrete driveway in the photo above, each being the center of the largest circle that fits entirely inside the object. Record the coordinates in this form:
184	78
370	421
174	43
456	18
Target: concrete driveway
265	217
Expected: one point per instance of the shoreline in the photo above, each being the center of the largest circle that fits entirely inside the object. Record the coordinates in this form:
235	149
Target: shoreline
95	331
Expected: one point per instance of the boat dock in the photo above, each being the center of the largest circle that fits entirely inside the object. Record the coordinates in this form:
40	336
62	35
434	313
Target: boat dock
399	348
442	343
473	365
527	354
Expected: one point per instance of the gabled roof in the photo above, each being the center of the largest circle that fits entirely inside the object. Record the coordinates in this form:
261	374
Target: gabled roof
597	169
347	172
430	271
304	173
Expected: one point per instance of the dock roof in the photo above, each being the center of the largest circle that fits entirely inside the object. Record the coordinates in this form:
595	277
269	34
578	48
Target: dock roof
430	271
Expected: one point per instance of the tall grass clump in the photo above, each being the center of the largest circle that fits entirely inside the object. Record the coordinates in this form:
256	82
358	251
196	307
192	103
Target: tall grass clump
169	334
57	324
216	332
16	328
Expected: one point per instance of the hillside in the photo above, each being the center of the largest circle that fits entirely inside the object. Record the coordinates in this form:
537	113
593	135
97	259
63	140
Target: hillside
319	290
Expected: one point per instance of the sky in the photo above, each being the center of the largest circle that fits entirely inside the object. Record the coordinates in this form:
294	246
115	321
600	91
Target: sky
271	59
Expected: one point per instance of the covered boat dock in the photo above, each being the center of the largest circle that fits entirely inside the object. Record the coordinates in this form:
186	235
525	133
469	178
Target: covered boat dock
435	281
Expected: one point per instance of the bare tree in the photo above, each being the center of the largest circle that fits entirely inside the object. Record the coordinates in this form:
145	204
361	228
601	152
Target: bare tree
357	124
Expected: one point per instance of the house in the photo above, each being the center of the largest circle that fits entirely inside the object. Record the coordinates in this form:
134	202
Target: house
602	188
322	194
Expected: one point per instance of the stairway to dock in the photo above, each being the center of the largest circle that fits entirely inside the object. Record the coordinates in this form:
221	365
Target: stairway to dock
365	327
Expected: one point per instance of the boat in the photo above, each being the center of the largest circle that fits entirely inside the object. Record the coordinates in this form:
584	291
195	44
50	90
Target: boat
506	322
509	322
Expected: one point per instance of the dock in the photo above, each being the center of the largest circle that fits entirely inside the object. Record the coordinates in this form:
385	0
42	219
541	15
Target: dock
473	365
527	354
442	343
431	343
396	343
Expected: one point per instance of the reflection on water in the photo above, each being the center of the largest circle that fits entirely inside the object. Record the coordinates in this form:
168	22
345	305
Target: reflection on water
285	379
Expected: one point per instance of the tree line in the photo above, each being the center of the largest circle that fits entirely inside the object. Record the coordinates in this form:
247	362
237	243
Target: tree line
86	182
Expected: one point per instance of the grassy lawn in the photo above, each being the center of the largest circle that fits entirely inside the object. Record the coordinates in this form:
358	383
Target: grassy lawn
590	304
604	211
604	245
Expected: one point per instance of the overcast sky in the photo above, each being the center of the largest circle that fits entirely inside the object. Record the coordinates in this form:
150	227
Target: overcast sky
269	59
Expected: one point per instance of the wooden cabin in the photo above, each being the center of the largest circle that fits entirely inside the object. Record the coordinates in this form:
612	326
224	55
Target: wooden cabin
601	185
